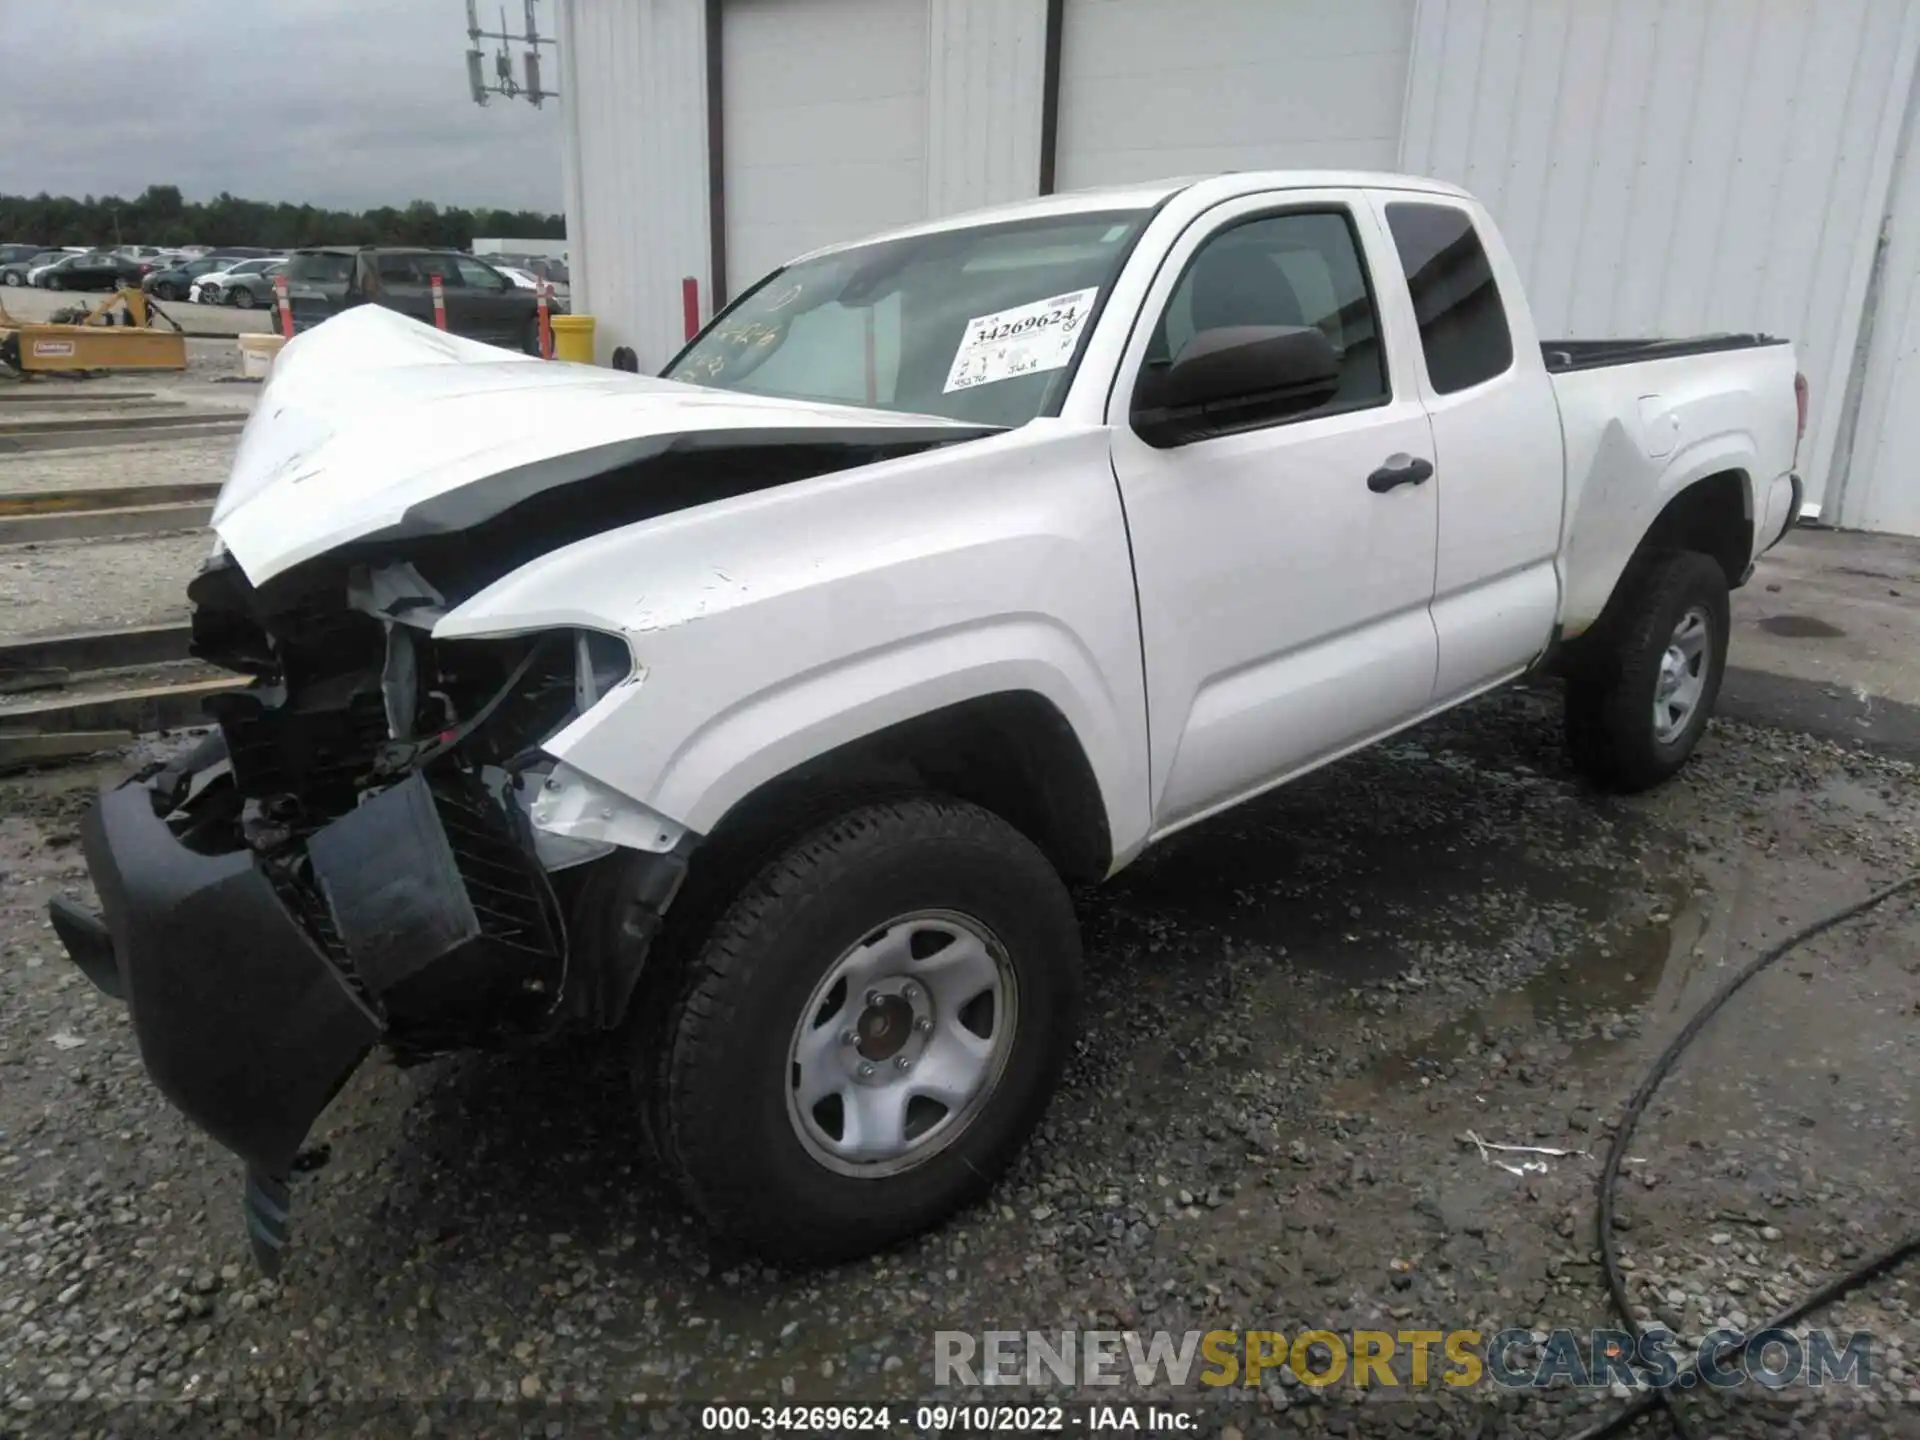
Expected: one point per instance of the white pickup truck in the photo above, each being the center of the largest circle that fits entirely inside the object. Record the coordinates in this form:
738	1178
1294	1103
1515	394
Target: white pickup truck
765	712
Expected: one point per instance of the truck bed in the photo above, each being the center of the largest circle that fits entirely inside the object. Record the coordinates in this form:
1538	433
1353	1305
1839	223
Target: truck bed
1564	355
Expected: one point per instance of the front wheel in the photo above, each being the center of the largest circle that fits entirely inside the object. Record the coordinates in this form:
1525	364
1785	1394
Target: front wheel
54	282
165	290
1639	702
13	277
870	1033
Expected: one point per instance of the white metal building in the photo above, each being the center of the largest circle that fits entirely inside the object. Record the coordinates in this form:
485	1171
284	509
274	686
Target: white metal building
1658	166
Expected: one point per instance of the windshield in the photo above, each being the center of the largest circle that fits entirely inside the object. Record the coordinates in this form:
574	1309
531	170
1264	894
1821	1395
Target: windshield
980	324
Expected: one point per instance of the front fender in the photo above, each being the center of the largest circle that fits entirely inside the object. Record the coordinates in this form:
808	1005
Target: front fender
771	628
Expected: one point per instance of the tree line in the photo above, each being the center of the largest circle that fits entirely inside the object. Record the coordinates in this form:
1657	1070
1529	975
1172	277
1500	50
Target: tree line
160	216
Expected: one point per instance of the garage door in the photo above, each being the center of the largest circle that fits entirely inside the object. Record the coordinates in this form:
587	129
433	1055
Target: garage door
1150	89
825	124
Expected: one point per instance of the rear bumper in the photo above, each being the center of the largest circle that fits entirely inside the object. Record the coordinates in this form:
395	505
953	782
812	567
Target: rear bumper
242	1021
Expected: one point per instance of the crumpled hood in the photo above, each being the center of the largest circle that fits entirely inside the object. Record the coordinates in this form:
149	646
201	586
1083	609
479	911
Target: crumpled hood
374	426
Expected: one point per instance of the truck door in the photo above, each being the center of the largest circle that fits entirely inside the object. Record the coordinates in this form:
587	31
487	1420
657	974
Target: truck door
1501	479
1284	560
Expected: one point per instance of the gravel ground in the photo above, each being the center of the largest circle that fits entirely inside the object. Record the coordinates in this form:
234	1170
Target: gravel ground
1296	1014
64	585
169	462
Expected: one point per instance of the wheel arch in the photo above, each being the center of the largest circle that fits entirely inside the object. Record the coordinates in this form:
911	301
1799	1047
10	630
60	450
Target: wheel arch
1012	752
1712	515
1706	501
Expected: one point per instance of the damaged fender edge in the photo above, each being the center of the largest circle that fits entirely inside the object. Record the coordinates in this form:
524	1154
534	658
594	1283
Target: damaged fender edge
572	805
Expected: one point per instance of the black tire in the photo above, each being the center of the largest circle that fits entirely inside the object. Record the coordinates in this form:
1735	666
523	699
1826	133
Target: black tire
530	338
54	282
1611	732
166	290
13	278
715	1074
241	297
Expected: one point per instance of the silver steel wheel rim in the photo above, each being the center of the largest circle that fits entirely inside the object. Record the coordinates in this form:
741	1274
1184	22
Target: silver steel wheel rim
1683	675
901	1044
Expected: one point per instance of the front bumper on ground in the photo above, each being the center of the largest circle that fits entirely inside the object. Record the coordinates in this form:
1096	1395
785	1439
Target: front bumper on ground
242	1021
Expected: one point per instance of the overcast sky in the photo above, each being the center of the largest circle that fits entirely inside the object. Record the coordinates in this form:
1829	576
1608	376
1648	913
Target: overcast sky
344	103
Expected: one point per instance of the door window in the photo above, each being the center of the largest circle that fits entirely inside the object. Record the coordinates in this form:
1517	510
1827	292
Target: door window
1463	325
441	265
481	277
1302	268
325	268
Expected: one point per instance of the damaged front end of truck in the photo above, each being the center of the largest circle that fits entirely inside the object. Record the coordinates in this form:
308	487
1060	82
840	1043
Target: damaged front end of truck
372	847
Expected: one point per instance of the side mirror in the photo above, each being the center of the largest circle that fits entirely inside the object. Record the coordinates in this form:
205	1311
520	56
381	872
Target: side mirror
1234	377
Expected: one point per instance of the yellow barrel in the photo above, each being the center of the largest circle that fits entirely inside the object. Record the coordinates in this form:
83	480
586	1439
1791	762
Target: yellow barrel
573	338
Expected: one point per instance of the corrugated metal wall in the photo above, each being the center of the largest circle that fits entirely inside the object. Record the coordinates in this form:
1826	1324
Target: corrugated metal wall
983	102
1152	88
1677	166
633	81
826	125
1880	483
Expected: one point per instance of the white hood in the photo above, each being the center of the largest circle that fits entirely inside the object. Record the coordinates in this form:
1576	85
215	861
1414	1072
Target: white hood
376	426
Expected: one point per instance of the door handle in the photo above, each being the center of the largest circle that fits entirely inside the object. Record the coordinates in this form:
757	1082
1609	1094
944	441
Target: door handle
1411	472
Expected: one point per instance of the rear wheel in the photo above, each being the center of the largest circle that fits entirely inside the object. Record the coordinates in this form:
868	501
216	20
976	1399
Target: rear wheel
54	282
166	290
870	1032
13	277
1640	699
241	297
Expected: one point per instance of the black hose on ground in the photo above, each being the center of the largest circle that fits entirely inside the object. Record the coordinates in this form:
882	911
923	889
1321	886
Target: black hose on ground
1610	1177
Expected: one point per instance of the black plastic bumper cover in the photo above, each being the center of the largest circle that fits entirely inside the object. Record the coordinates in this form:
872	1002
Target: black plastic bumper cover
242	1022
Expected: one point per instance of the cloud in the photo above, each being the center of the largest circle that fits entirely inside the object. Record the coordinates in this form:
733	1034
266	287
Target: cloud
346	103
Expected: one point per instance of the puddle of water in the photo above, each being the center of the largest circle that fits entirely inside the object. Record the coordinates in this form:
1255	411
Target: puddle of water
1858	796
1616	976
1801	627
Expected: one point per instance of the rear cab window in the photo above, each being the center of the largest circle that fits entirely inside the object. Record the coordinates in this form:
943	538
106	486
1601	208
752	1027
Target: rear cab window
1463	324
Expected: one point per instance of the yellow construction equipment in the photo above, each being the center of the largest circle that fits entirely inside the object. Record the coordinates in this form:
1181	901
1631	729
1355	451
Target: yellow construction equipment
96	341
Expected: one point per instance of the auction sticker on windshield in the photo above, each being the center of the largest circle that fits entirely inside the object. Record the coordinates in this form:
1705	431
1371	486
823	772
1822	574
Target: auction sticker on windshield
1022	341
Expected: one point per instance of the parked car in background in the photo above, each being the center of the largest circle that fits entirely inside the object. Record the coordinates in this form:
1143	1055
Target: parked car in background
175	281
15	272
207	290
558	293
481	300
11	253
247	288
98	270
